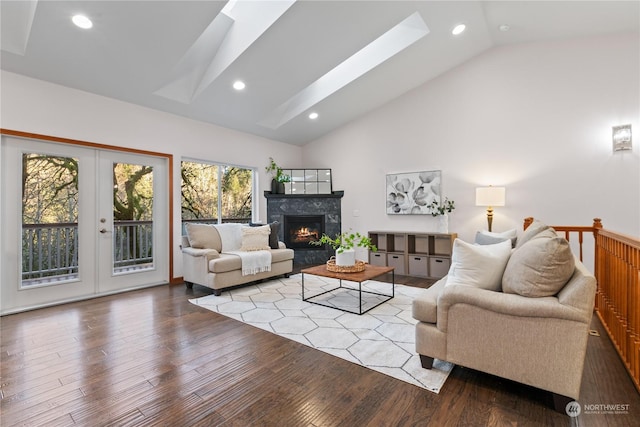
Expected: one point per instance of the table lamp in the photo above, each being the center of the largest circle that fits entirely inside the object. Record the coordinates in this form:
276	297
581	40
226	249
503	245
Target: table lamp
490	197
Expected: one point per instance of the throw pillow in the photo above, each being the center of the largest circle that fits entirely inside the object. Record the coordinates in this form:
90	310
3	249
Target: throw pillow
273	237
480	266
255	238
534	228
490	238
539	268
203	236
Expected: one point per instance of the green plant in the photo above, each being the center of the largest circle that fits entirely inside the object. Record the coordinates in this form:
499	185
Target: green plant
438	209
345	241
276	171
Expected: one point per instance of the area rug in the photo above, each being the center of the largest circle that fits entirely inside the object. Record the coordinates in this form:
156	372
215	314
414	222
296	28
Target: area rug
382	339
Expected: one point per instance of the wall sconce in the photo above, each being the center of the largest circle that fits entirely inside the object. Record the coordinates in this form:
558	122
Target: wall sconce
621	138
490	196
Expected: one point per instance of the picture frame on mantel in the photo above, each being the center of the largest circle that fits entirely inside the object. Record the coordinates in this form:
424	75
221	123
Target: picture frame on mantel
411	193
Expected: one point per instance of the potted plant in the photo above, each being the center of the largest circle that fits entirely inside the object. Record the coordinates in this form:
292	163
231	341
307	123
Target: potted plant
442	210
278	177
344	244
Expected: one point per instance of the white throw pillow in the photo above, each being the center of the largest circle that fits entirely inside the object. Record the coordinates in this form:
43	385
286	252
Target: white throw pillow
480	266
255	238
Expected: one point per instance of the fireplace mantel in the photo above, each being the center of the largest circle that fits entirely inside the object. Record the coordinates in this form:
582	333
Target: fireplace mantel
335	194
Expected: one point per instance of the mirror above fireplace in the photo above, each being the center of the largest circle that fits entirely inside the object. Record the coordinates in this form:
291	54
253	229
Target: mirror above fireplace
308	181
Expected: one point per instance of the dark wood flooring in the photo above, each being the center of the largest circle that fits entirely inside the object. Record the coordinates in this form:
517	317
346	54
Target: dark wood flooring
149	357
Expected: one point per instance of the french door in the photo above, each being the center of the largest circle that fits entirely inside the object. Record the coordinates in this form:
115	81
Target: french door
79	222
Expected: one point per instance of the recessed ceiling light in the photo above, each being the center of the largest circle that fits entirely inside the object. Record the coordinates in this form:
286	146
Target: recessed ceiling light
239	85
313	116
504	27
458	29
82	21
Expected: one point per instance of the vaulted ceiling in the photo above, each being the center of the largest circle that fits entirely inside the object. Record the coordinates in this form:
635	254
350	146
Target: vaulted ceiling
338	59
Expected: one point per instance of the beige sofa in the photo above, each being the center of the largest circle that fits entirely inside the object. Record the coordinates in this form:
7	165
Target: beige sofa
535	335
205	263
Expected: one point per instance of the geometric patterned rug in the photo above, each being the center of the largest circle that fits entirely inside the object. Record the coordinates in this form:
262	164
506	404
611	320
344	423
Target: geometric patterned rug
382	339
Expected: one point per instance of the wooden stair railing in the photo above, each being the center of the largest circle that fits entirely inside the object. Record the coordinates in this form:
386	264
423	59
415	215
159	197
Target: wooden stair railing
568	229
617	271
618	298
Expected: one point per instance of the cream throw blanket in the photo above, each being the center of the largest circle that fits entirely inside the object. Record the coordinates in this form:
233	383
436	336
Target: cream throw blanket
253	262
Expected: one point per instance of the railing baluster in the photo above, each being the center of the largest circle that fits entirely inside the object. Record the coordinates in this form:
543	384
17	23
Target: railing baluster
39	244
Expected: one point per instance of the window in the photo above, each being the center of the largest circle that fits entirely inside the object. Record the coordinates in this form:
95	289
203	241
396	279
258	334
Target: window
49	218
216	193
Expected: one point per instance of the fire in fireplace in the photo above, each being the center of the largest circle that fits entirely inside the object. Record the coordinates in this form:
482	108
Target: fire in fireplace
300	230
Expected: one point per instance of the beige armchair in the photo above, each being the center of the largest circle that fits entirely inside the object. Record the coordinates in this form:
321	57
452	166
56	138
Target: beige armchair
539	341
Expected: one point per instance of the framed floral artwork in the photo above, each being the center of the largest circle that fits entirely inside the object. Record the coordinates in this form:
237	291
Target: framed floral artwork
412	193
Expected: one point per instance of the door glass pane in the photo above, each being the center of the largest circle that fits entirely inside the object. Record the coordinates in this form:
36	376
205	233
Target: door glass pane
132	217
49	219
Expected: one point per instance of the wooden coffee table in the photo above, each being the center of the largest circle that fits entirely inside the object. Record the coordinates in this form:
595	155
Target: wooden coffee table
370	272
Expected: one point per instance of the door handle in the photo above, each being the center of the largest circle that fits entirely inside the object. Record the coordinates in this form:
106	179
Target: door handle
103	230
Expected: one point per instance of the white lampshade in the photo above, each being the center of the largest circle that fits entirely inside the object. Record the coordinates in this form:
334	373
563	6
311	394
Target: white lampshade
490	196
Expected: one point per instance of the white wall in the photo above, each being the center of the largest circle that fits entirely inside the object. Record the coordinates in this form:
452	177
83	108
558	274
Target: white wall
36	106
534	118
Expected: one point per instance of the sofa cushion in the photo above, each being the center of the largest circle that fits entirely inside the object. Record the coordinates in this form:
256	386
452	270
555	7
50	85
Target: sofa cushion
226	262
255	238
534	228
539	268
273	236
480	266
203	236
490	238
279	255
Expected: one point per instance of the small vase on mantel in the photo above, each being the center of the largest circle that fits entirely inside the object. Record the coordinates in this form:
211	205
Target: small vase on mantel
443	223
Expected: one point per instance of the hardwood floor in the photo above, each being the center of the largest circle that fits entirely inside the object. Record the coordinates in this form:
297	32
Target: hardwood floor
150	357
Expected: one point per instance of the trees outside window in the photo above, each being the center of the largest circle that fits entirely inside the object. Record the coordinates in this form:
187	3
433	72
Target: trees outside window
50	216
216	193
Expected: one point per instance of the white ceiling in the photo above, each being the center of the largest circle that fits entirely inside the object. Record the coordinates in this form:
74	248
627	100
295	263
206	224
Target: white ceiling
183	56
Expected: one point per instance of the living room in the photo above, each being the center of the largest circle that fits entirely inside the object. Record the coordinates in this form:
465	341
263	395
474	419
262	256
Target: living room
533	117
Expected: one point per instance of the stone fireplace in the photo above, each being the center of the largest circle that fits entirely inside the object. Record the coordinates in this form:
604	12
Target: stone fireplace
303	218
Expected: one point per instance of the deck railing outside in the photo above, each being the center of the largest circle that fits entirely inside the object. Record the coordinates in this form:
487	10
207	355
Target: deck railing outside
50	251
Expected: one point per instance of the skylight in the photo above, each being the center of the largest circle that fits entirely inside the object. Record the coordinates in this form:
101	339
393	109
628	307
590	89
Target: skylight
238	25
375	53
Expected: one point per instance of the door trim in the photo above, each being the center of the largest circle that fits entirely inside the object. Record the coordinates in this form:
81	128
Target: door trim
169	157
